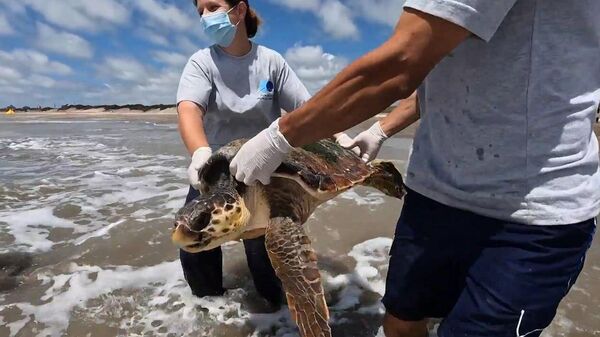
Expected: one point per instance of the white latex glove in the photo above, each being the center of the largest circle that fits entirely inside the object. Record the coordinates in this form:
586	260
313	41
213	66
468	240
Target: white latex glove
367	143
345	141
260	156
199	158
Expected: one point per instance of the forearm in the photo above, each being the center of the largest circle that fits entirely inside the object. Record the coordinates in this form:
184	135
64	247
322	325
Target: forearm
404	115
372	83
359	92
191	126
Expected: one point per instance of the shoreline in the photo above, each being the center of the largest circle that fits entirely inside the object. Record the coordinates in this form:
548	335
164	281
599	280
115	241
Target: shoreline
56	112
167	113
94	111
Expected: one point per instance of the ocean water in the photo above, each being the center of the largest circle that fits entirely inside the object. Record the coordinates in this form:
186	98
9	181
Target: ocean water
91	202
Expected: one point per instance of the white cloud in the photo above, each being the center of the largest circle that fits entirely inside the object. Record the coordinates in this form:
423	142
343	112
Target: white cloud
167	16
63	43
380	11
32	61
41	81
36	89
314	66
171	59
162	87
81	15
9	74
14	6
337	20
5	26
189	46
31	77
11	89
26	75
128	81
124	69
300	4
336	17
152	36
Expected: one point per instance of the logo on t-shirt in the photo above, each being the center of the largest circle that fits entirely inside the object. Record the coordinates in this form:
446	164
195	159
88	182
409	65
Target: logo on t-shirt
266	89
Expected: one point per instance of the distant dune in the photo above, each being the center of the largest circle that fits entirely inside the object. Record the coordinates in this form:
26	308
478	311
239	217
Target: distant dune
114	108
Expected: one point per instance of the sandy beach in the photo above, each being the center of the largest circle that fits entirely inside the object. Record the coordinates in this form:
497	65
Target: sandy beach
93	113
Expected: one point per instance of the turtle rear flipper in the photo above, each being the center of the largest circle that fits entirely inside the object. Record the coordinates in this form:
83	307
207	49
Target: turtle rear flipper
386	178
295	263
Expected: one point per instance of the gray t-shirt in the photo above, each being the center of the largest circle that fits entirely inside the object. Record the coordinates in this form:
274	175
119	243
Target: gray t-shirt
506	119
240	95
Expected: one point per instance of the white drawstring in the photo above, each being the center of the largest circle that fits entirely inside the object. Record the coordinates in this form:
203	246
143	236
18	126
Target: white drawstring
519	326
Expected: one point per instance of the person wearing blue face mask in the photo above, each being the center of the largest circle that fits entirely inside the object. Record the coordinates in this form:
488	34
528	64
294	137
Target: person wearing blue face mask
218	27
230	90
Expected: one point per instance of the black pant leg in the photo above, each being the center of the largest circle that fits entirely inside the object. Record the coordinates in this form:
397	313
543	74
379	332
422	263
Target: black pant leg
266	281
203	271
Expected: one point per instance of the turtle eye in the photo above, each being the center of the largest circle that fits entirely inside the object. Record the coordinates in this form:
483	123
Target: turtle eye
240	187
203	188
202	221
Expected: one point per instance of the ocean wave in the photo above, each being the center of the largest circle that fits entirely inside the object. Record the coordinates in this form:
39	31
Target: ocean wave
155	300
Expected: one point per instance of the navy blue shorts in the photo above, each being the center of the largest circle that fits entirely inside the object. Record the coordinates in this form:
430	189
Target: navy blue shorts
484	276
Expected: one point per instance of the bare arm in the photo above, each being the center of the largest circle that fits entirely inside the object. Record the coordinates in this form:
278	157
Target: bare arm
404	115
389	73
191	126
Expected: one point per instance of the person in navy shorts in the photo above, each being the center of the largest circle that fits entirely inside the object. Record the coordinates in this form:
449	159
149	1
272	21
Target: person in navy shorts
503	179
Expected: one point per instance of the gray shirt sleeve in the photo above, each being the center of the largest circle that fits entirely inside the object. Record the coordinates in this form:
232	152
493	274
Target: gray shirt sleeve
480	17
195	84
292	93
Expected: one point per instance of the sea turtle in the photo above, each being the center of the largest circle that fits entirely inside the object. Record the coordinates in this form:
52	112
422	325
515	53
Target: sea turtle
228	210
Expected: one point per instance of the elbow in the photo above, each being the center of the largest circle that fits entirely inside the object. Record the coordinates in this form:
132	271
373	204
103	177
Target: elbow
407	85
405	75
411	73
401	87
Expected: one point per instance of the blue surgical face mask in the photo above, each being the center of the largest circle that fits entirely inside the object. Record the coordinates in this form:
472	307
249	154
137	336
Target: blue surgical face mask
219	28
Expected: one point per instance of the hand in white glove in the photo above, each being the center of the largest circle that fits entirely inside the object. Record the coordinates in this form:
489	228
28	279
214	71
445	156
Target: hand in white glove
345	141
367	143
260	156
199	158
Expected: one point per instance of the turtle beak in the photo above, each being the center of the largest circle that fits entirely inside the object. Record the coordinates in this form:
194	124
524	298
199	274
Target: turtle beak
184	238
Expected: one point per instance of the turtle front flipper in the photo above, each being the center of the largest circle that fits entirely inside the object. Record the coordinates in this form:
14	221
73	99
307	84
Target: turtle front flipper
386	178
295	263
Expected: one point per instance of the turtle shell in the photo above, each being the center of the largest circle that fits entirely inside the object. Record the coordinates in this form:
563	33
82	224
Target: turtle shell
323	166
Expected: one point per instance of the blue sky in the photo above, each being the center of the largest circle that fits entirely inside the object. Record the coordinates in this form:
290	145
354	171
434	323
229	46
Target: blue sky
55	52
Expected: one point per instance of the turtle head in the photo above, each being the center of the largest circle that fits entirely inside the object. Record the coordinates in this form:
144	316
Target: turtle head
210	220
217	216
